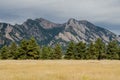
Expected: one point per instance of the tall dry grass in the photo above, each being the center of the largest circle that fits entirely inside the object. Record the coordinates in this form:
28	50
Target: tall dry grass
59	70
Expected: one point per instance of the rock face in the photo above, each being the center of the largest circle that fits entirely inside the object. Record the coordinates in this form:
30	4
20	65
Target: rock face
49	33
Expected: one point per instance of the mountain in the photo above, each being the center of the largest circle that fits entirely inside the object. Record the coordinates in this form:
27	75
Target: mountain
49	33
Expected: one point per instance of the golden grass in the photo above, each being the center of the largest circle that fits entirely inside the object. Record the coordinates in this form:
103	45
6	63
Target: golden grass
59	70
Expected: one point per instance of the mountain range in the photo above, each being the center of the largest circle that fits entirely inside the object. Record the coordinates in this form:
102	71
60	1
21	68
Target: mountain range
50	33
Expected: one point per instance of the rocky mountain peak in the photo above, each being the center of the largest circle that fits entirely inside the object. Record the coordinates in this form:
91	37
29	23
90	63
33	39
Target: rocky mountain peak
28	21
46	24
72	21
42	19
50	33
73	24
85	22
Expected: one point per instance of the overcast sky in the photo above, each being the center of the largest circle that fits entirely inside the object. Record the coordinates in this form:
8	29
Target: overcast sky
104	13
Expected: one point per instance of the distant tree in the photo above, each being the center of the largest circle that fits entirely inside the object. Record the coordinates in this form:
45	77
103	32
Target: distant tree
4	54
91	51
80	50
33	49
13	51
22	50
44	53
57	53
112	50
119	52
100	48
70	52
50	53
47	52
29	49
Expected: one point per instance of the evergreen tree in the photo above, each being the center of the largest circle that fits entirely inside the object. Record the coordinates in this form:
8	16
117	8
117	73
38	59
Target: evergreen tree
57	53
47	53
91	51
29	49
119	52
112	50
13	51
44	53
23	49
80	50
4	54
33	49
50	53
100	49
70	52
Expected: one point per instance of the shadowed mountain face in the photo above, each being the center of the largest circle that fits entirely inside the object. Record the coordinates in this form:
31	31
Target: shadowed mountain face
49	33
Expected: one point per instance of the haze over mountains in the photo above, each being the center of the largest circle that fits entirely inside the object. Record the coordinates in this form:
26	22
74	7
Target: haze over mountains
50	33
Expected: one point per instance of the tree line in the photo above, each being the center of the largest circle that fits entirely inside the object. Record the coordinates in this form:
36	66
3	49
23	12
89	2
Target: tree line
29	49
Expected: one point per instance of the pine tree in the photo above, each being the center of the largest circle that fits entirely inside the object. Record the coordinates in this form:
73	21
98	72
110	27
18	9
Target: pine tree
119	52
47	53
70	52
13	51
44	53
29	49
57	53
4	54
22	49
33	49
80	50
50	53
100	48
91	51
112	50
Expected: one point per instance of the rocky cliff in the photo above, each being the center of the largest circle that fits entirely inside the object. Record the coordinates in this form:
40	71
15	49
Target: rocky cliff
49	33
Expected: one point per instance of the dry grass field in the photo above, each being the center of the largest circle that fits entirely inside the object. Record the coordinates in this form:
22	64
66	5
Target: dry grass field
59	70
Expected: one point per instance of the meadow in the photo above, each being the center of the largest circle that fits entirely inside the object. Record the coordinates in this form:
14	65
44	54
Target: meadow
59	70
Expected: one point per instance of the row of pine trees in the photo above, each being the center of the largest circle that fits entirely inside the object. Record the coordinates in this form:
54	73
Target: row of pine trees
29	49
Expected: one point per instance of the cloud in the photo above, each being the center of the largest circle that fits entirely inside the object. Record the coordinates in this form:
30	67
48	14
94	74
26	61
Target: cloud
96	11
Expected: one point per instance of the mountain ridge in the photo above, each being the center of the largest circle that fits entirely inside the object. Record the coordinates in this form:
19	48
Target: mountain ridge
50	33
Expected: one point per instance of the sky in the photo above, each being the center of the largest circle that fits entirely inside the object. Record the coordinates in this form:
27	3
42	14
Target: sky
103	13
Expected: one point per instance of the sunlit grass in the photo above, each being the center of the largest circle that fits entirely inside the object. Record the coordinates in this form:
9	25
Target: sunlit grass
59	70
